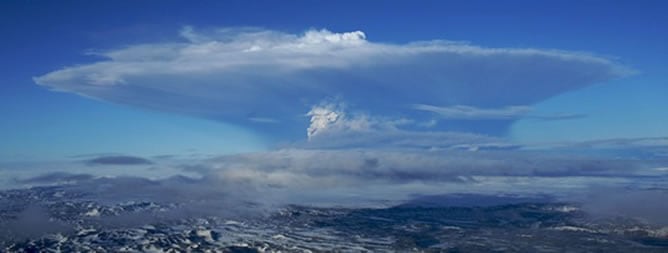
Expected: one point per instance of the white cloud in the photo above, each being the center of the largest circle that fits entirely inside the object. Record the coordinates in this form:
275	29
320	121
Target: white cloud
241	74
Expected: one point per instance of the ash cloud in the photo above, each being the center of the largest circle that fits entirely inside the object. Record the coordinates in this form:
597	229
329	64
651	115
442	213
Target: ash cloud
220	74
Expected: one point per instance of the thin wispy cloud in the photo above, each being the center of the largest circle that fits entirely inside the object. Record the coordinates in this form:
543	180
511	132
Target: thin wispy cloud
473	113
463	112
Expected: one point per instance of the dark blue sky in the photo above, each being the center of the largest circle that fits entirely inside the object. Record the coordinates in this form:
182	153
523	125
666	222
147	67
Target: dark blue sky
39	37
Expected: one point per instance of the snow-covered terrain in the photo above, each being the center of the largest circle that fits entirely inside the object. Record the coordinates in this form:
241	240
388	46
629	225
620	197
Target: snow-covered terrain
51	219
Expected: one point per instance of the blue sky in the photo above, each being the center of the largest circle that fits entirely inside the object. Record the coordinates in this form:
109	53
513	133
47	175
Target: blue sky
41	37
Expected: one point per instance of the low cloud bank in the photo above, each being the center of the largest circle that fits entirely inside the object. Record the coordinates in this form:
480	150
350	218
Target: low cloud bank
374	176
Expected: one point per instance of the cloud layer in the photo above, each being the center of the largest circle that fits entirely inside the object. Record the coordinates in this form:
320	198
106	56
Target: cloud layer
363	176
289	166
269	79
